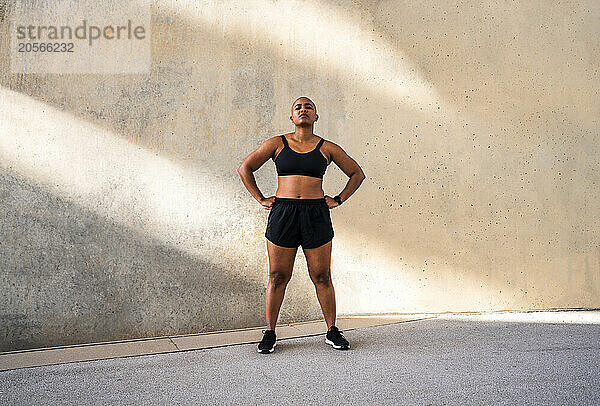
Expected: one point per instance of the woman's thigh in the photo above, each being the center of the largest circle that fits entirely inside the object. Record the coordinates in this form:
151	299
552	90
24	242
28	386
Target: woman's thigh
318	260
281	260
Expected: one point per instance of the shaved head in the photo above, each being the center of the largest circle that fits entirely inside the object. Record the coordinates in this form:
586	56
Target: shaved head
303	99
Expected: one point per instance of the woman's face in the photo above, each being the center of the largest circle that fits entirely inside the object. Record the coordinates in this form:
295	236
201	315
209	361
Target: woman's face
304	112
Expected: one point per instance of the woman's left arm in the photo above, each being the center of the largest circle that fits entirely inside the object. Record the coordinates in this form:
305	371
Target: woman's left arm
350	167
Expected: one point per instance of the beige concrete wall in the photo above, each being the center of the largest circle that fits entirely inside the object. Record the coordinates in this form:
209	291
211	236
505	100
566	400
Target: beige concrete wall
476	124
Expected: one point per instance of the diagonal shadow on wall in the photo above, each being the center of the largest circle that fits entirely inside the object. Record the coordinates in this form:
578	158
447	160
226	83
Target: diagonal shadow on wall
82	278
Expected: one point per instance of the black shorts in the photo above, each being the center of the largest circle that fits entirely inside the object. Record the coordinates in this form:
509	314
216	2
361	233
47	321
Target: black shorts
294	222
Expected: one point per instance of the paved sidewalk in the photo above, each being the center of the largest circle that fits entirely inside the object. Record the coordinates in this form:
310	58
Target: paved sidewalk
541	358
187	342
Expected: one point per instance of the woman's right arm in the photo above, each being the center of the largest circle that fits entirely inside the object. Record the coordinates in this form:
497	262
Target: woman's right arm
253	162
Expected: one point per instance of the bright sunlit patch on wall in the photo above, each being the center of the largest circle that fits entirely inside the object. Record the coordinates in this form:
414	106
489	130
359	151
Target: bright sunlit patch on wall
96	169
319	36
371	280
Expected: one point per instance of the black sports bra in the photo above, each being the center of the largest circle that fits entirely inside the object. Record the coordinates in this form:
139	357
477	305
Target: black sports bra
290	162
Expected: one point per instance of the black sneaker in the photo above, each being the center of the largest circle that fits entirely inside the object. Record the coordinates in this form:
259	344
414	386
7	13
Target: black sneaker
335	338
267	345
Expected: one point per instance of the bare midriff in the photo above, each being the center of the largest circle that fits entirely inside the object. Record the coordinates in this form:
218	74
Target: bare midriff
299	187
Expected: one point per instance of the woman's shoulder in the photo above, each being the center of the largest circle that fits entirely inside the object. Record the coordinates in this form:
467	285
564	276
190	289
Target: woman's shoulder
276	143
332	149
277	138
274	140
329	144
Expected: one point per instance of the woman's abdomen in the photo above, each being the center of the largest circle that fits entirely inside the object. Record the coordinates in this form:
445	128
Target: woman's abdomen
299	187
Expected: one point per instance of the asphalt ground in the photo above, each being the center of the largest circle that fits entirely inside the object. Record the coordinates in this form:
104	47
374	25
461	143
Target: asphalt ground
427	362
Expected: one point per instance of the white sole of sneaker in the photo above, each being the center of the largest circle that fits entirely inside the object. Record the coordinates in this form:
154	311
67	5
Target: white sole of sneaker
269	351
337	347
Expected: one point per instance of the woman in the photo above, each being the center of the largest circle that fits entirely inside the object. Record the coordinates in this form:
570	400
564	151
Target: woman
299	213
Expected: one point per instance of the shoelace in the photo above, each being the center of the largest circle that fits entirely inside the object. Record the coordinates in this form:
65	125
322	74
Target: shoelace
338	334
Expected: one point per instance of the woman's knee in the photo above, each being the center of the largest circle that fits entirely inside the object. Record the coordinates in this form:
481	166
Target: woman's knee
321	277
279	278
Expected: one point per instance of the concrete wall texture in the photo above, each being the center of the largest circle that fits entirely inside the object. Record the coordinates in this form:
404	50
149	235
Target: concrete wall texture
476	123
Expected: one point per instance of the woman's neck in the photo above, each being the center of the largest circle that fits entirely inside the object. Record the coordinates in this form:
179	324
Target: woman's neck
302	134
